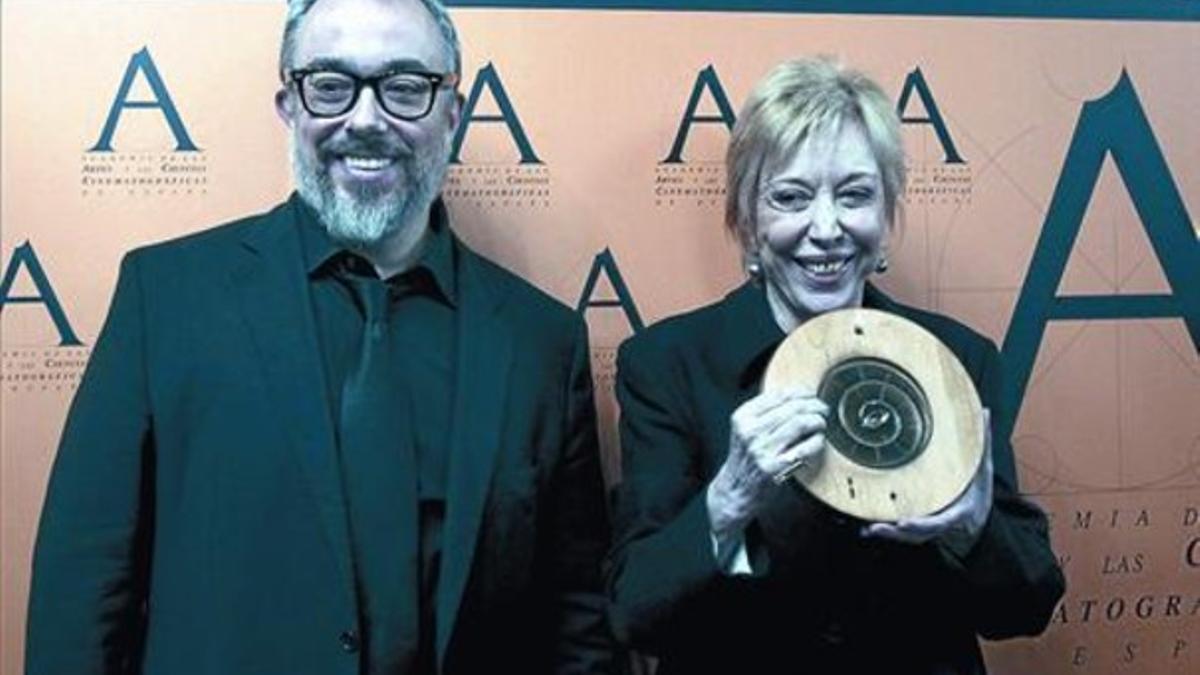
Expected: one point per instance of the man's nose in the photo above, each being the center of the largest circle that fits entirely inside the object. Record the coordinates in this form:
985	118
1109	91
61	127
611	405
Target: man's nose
366	113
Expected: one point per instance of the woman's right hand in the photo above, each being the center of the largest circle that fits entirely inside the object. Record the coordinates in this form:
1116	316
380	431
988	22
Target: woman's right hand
769	436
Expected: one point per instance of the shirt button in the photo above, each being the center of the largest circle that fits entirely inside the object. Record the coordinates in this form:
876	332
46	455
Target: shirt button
349	641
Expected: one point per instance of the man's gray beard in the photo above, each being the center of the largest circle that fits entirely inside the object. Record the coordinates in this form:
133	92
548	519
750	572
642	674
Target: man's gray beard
363	220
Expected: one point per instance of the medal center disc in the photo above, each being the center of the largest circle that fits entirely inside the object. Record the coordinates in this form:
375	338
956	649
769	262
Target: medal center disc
881	416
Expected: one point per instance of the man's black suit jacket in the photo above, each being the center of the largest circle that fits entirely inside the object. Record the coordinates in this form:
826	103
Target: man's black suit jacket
195	521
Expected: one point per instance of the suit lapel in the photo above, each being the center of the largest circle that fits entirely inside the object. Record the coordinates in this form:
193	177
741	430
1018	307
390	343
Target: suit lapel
483	364
748	337
270	284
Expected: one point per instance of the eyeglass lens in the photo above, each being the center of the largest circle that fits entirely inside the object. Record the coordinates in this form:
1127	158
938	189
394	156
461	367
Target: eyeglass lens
404	95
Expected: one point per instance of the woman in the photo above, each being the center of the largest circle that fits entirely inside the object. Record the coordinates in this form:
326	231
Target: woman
718	567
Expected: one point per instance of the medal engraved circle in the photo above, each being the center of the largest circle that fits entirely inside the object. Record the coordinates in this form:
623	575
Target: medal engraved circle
881	416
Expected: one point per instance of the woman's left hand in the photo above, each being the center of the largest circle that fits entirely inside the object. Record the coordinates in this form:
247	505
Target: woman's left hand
959	523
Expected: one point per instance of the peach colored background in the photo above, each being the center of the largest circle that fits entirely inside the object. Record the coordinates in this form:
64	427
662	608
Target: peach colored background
1108	425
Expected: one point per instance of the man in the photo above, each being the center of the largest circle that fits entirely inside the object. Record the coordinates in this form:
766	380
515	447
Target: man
330	438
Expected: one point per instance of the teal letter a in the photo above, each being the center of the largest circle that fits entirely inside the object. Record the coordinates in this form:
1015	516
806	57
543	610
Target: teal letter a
604	263
916	82
141	62
1116	124
489	78
24	256
707	79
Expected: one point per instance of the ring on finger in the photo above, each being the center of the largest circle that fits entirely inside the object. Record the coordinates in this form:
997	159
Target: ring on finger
798	465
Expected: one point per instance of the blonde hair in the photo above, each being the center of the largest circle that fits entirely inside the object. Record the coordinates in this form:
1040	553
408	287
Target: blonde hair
795	100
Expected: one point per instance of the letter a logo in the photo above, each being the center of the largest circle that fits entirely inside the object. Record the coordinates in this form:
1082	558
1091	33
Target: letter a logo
916	82
142	63
490	79
606	264
706	80
24	256
1115	125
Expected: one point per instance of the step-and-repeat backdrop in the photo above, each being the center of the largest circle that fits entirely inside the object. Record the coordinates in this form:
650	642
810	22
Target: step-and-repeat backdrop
1055	182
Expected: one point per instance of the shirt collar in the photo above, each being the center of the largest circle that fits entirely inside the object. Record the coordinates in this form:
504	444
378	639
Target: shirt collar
439	256
752	333
320	250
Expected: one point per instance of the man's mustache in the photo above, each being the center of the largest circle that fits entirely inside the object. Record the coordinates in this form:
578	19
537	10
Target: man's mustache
366	146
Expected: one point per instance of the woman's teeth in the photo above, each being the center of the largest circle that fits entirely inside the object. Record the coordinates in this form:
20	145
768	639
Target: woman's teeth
825	266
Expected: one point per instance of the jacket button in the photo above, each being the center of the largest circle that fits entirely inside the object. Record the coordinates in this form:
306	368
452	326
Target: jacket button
349	641
833	633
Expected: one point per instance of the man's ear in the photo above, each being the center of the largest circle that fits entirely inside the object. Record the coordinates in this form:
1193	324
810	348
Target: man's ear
455	112
284	105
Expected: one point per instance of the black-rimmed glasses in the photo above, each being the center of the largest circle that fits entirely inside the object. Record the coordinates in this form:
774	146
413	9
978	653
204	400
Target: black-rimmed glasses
406	94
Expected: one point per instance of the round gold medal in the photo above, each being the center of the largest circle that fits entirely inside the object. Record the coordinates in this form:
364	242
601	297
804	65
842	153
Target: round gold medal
905	432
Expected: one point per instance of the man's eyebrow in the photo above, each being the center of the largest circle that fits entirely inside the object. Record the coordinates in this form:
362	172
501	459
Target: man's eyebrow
339	64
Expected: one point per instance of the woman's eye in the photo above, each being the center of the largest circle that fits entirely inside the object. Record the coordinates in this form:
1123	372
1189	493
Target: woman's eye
788	200
856	197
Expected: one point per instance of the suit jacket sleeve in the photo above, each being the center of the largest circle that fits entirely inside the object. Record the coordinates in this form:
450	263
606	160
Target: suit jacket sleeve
91	558
1010	578
664	579
580	529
